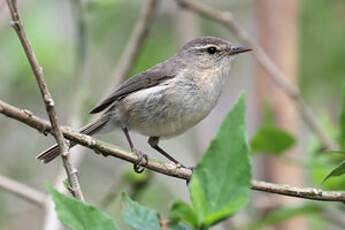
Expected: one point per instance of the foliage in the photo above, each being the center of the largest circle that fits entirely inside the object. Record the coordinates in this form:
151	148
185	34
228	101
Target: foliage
78	215
320	165
271	139
339	169
180	211
109	24
221	183
139	217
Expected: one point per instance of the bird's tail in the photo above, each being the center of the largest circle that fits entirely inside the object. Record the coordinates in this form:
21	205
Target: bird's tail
90	129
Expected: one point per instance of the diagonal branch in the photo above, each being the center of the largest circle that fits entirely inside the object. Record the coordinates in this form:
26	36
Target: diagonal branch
168	169
49	103
265	61
135	42
21	190
81	80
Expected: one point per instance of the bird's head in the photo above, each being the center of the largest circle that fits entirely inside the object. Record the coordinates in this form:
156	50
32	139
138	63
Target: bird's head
210	52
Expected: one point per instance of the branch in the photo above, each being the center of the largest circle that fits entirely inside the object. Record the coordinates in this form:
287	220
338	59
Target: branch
49	103
306	193
168	169
23	191
136	41
80	79
265	61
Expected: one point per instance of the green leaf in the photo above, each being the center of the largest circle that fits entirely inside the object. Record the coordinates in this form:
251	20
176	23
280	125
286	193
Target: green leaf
139	217
271	139
320	165
220	185
337	171
181	211
78	215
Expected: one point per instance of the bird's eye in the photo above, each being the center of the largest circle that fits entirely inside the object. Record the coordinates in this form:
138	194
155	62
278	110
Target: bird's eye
211	50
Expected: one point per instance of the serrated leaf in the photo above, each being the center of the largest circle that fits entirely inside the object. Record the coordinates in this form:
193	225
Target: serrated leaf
337	171
181	211
138	216
220	185
271	139
78	215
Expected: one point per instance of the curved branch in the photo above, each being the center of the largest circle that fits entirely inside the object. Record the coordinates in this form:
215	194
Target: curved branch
168	169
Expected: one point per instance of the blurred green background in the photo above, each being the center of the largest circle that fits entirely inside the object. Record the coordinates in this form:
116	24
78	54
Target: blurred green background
51	29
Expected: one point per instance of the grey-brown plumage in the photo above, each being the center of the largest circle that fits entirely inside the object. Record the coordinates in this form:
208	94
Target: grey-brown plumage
143	80
167	99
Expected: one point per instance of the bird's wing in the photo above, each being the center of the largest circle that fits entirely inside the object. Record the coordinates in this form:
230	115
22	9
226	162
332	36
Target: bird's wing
140	81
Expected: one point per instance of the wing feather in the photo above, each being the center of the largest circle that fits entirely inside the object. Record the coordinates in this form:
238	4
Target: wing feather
140	81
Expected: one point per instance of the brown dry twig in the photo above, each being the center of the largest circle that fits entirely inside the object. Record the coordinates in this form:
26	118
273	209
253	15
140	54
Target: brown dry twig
168	169
49	103
278	77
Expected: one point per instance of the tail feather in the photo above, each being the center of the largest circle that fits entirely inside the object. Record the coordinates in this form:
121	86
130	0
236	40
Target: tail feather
90	129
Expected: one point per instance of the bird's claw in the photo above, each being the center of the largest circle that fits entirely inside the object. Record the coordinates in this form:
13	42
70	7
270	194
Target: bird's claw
139	165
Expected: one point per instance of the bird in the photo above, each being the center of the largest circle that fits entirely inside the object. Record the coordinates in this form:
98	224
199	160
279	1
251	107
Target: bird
165	100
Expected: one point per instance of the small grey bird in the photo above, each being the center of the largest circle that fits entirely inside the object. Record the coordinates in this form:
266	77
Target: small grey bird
167	99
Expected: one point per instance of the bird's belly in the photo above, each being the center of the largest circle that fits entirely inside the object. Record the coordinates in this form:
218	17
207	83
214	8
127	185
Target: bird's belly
165	112
165	123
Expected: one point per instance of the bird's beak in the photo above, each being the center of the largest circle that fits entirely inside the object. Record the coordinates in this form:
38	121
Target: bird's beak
239	49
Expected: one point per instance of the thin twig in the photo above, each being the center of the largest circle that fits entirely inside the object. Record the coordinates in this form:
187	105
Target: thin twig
306	193
168	169
23	191
49	103
80	82
135	42
278	77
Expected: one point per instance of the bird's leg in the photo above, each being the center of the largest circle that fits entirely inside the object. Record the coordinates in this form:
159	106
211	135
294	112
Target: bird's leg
153	142
142	158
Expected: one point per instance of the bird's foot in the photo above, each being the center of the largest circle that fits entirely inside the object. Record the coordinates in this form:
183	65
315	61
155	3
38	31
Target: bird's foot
142	161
